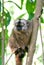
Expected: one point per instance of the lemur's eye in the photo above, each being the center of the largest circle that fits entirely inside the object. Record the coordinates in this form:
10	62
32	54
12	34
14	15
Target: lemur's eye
22	24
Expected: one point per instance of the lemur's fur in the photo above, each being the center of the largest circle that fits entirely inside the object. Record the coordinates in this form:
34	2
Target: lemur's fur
20	39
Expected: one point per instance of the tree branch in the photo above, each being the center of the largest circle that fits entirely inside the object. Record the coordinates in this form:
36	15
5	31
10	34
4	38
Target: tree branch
34	32
38	9
20	7
43	3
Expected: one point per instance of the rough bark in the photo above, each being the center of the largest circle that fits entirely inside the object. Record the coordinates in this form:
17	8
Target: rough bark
34	33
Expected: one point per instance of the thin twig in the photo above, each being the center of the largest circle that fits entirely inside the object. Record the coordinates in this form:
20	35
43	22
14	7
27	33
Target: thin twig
20	7
9	58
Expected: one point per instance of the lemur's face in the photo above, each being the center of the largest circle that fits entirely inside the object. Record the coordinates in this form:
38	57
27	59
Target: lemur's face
20	24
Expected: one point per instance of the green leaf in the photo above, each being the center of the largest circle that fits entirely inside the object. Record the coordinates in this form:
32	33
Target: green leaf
22	3
42	20
0	61
0	45
7	18
0	24
31	16
30	6
0	6
0	50
6	37
0	11
19	17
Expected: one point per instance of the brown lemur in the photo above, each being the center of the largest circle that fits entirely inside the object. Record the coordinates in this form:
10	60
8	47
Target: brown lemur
20	37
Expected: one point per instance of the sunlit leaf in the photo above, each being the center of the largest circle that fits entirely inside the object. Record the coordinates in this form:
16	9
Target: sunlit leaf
19	17
7	18
6	37
0	12
22	3
31	16
0	24
30	6
0	61
0	44
0	6
42	20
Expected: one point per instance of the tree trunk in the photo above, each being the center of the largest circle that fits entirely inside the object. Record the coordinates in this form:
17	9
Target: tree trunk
34	32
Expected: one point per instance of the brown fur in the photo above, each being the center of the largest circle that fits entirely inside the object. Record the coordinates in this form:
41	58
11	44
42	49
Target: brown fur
18	61
20	39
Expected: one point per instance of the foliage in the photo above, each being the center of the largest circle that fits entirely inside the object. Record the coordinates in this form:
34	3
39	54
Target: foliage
7	18
20	16
30	8
0	61
0	6
0	44
6	37
42	20
40	59
0	50
31	16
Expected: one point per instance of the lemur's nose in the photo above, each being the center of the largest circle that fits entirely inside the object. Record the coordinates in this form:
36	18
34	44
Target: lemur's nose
19	26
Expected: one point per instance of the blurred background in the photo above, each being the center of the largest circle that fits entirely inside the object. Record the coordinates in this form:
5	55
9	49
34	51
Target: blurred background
15	9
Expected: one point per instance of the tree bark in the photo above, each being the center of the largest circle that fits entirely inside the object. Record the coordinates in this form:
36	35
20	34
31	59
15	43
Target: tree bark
43	3
34	32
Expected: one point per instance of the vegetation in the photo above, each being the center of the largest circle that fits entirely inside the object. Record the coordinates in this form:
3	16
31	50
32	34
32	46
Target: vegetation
30	6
